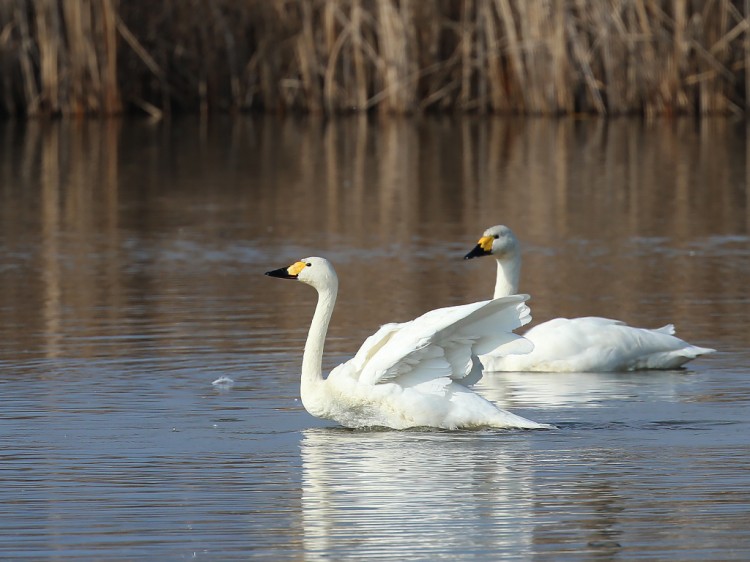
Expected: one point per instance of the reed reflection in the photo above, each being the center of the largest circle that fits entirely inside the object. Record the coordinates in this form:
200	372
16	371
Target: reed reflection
61	215
50	243
112	223
561	184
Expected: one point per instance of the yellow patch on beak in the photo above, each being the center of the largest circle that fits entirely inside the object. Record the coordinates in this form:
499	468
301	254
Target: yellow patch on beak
485	242
295	268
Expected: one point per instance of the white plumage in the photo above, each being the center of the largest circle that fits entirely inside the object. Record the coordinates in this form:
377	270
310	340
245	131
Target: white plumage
412	374
588	344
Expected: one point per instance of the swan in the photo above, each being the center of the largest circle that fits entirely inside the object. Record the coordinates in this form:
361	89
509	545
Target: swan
588	344
412	374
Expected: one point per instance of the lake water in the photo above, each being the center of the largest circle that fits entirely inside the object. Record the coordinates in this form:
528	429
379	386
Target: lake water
131	279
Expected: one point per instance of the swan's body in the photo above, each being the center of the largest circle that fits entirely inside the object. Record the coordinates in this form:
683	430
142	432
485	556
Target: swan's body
589	344
412	374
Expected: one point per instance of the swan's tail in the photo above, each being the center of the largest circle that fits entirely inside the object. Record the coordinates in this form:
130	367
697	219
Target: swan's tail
675	358
694	351
679	357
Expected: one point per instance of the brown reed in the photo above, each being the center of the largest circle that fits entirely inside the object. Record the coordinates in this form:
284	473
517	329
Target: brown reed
547	57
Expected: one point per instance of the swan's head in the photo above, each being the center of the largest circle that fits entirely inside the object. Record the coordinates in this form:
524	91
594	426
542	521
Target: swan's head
498	241
317	272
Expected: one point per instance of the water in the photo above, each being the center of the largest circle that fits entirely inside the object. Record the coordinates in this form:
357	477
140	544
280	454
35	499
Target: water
131	280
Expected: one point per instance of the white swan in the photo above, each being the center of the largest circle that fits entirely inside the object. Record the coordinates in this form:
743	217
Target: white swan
587	344
411	374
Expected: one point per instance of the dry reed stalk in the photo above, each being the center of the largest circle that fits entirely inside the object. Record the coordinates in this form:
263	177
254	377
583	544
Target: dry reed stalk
360	79
464	96
111	94
492	91
308	64
606	19
30	88
733	26
393	43
411	67
564	98
6	63
517	67
334	92
582	52
483	47
439	60
655	86
708	31
230	47
82	79
536	52
329	25
48	36
333	42
670	93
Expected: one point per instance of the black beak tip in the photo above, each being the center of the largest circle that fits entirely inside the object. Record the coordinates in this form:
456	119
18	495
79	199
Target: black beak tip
476	252
281	273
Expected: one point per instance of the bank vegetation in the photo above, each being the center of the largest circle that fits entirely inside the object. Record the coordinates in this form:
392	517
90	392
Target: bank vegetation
545	57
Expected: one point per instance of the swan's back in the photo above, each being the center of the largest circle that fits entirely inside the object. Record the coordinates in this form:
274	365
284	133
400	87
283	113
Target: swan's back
599	344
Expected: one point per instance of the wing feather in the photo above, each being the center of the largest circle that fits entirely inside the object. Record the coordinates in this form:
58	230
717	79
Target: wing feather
441	343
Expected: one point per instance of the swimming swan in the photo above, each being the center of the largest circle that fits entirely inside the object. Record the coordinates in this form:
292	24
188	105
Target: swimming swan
411	374
587	344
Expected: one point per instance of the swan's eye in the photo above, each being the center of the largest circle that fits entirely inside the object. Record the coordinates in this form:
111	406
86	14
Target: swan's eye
496	236
308	264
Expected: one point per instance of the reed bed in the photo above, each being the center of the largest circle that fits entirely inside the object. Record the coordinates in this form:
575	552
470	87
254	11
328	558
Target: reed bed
545	57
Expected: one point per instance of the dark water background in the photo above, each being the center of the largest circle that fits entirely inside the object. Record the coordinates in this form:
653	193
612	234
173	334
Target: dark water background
131	278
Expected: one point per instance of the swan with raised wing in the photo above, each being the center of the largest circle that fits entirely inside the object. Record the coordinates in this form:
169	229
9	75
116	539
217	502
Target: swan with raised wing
412	374
588	344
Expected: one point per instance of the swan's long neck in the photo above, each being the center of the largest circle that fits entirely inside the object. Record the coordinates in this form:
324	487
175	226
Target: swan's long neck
508	272
312	360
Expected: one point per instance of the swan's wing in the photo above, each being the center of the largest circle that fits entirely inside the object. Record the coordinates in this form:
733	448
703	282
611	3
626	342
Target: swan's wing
374	343
439	345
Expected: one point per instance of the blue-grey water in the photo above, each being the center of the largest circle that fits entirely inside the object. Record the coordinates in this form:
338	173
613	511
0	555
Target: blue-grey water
131	279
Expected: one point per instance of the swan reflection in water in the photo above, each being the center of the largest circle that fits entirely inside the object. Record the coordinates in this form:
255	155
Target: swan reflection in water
429	493
577	390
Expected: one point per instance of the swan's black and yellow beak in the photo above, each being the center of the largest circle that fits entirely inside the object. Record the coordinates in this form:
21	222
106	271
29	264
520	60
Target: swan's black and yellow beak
291	272
483	248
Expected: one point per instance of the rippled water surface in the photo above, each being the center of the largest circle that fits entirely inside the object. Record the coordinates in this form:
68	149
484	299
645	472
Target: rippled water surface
131	279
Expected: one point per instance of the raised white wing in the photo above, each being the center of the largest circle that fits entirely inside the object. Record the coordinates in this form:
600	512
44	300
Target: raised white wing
438	346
